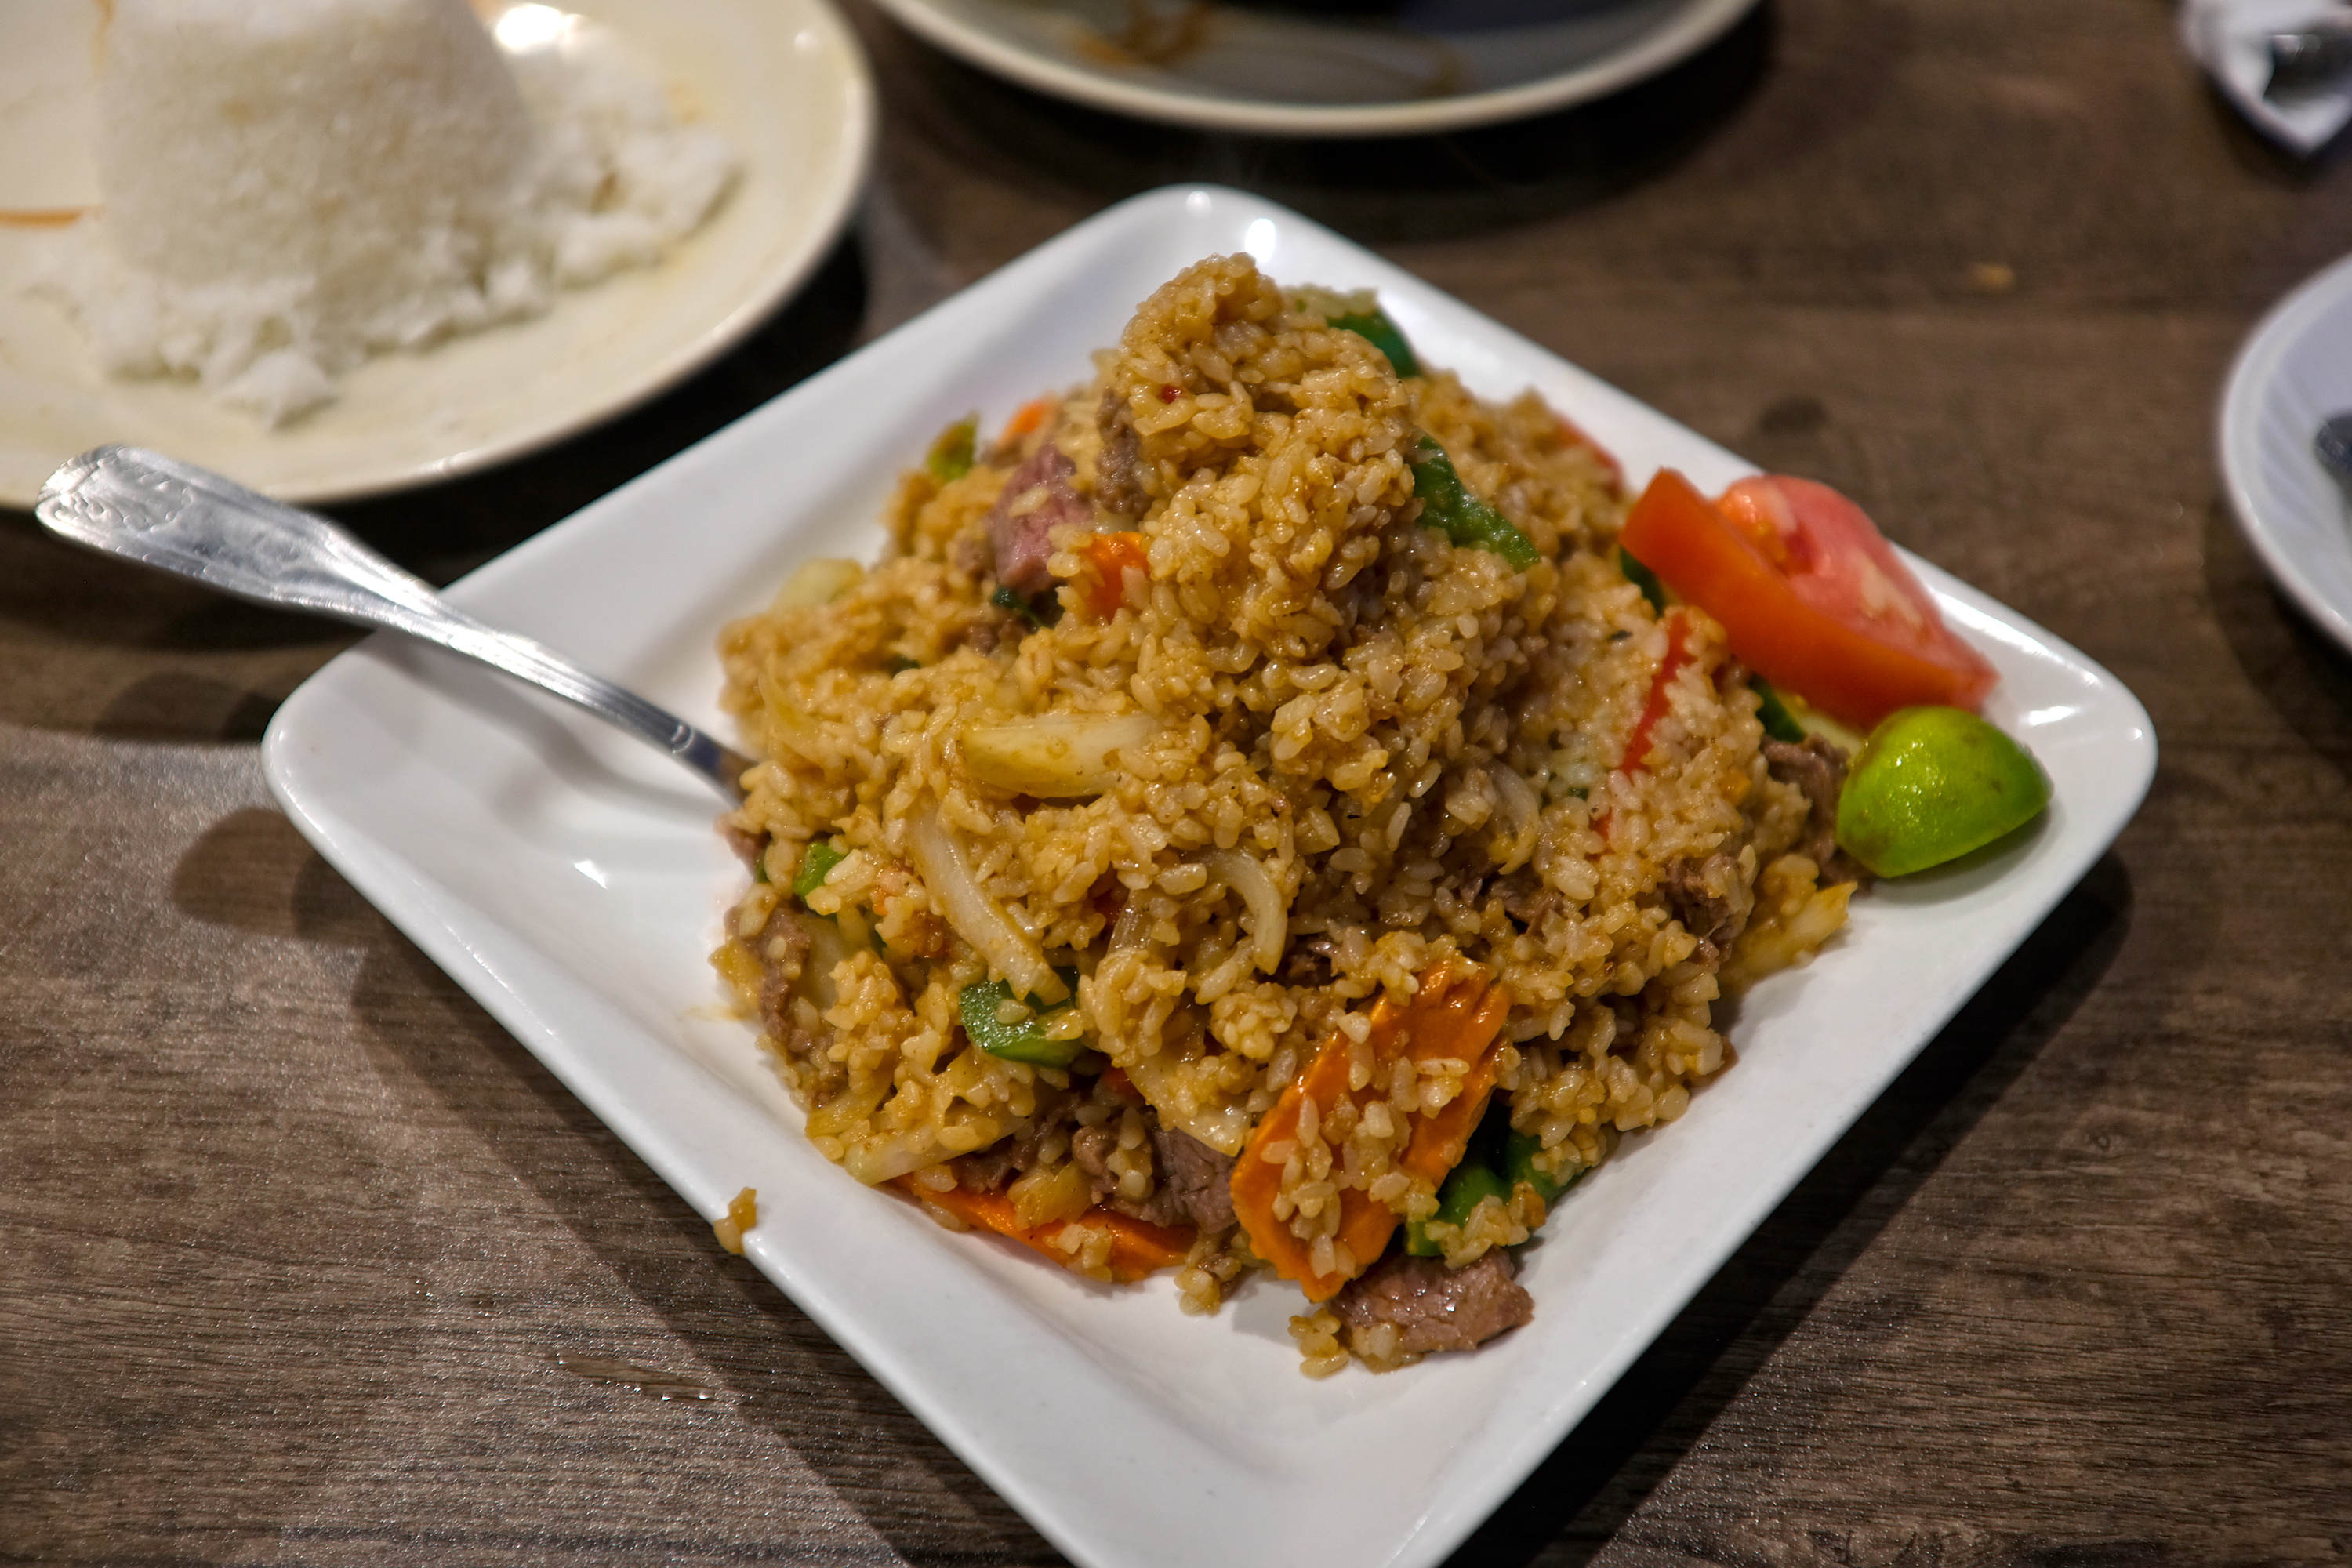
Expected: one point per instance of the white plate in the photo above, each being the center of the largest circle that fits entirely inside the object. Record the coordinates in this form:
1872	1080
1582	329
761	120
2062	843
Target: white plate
1436	65
571	880
784	80
2294	371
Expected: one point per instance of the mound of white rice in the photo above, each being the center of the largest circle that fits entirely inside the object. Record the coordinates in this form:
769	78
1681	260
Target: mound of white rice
291	186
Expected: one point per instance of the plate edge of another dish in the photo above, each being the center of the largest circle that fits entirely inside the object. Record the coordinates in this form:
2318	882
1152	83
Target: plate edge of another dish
1673	41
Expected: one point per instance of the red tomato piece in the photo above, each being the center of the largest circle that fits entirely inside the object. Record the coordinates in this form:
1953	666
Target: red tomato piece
1573	434
1809	595
1838	561
1678	654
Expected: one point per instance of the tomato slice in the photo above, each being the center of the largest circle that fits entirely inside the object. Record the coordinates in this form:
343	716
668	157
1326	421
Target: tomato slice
1809	593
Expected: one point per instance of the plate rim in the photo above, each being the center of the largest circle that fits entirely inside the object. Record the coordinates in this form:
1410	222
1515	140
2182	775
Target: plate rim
1684	34
842	178
2238	432
1447	1520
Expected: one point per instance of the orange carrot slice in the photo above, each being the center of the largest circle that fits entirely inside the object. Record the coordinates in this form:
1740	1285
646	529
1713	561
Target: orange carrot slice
1108	555
1454	1013
1028	417
1138	1247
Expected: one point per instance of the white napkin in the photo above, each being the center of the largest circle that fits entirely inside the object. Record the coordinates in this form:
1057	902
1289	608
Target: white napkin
2232	39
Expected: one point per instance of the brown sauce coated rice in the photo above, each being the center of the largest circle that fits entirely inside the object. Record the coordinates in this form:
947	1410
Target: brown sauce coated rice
1418	749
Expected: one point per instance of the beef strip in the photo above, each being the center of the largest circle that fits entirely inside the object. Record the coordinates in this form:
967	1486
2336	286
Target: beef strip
969	555
779	973
781	946
748	846
1090	1148
1308	962
1036	500
1198	1178
1707	898
989	1171
991	632
1818	768
1439	1309
1162	1207
992	1169
1527	898
1118	469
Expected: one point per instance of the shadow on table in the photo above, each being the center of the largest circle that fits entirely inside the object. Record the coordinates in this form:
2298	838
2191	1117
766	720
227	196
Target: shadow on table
1397	188
1593	1482
2298	669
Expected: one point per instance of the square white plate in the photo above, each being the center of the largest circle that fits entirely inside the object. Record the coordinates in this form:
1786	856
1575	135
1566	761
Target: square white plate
571	882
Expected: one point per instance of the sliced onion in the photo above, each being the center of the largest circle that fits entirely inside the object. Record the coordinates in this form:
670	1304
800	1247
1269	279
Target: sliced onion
1221	1124
819	583
1054	756
1133	917
1521	811
973	914
1269	919
875	1161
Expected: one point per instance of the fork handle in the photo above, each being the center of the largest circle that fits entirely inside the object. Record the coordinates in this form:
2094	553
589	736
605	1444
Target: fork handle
141	506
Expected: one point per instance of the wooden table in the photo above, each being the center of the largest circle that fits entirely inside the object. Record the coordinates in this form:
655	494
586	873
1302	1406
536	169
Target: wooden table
304	1259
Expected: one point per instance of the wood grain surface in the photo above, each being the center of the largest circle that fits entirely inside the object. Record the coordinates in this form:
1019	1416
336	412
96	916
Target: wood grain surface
304	1260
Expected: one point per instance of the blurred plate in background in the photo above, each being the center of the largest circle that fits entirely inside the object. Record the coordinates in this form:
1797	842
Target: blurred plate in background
1414	69
784	80
2294	371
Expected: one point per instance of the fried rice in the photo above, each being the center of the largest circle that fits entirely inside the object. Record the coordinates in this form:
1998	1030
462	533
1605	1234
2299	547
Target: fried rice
1196	755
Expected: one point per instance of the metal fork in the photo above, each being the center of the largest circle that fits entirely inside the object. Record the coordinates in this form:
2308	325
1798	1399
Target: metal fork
175	517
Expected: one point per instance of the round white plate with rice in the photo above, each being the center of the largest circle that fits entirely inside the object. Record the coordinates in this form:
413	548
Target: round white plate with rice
783	81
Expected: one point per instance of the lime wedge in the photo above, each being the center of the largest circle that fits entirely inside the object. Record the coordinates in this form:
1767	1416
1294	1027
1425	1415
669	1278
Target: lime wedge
1932	783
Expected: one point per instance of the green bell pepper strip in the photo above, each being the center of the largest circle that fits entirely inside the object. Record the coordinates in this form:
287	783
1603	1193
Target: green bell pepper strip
1376	329
1015	601
1778	723
1466	1185
1519	1165
1479	1175
950	456
1642	577
1462	517
816	864
1024	1042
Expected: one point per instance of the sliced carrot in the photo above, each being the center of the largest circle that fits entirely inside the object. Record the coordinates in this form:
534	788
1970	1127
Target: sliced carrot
1108	555
1441	1137
1138	1247
1256	1180
1456	1013
1028	417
